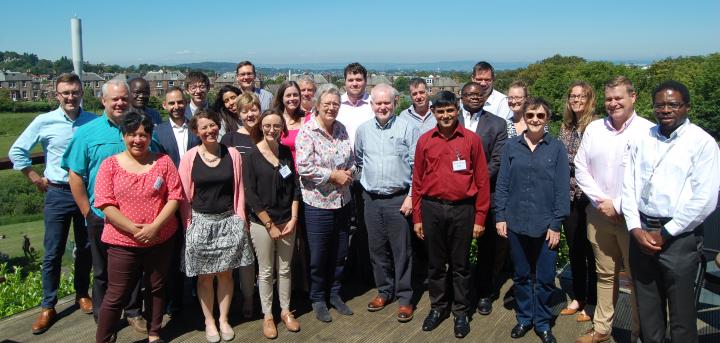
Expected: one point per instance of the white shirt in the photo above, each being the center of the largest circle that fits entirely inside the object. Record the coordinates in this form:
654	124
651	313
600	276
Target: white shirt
685	182
470	120
353	115
603	154
181	137
497	104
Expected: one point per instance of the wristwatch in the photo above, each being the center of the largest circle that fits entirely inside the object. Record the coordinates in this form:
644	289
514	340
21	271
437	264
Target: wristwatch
268	225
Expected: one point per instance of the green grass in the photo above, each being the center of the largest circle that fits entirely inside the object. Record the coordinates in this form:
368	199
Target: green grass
12	126
11	245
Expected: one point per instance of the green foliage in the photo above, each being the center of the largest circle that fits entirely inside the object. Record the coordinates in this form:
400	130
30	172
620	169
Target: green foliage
401	84
22	291
6	103
90	101
403	103
18	196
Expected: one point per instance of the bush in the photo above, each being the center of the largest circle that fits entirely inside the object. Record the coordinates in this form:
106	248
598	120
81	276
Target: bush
21	292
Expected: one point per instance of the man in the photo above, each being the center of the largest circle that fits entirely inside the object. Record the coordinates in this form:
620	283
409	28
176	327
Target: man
245	76
355	103
197	85
599	166
670	187
93	143
384	152
419	112
53	130
492	131
496	102
307	93
139	98
451	196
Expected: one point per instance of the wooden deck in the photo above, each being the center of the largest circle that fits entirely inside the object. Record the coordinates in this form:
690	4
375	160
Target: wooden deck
75	327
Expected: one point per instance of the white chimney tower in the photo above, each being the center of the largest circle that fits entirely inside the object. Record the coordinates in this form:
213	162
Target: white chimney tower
76	36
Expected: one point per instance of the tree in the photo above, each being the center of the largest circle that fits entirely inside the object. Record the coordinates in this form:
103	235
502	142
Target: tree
401	84
90	101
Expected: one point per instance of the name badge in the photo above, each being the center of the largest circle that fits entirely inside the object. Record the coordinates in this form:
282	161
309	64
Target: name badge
158	183
459	165
285	172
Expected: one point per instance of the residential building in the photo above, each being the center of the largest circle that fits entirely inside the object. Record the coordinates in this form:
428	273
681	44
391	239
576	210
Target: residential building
161	80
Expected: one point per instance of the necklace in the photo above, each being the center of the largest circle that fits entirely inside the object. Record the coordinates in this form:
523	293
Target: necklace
204	153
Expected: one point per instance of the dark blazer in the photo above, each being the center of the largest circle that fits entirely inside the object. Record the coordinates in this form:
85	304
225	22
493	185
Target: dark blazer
493	133
165	137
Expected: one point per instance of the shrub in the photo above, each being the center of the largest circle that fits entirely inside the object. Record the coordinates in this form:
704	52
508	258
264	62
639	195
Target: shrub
21	292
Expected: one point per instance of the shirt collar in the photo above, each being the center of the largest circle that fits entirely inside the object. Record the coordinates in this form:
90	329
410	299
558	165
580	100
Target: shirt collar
345	99
62	112
412	112
458	132
176	126
609	124
679	131
521	138
107	118
387	126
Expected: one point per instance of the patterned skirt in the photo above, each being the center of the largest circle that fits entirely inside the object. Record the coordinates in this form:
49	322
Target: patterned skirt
215	243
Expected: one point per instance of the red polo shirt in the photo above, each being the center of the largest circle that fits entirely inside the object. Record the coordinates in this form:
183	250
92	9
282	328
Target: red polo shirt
433	174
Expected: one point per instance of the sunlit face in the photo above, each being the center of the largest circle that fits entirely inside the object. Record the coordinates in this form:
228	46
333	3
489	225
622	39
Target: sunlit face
355	84
619	103
473	98
535	119
139	93
670	109
245	77
69	95
175	104
307	91
446	116
328	107
197	92
115	101
485	79
516	98
137	142
383	104
577	99
207	130
272	126
249	116
291	99
419	96
228	99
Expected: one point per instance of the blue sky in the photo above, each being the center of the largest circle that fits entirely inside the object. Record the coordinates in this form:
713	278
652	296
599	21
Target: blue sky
269	32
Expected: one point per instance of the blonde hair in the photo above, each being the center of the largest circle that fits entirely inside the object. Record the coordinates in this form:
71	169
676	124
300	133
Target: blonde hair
580	120
246	100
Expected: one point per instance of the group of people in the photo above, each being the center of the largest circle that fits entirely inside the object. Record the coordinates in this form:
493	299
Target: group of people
240	183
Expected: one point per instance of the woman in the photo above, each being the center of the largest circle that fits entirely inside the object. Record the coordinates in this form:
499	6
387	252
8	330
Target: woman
325	166
531	202
216	240
226	108
516	96
273	194
579	112
288	104
139	192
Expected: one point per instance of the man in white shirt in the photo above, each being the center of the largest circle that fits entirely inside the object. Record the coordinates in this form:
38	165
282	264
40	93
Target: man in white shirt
496	102
599	168
245	76
355	103
670	186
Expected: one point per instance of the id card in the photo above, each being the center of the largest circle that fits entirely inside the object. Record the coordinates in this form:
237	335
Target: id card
285	171
459	165
158	183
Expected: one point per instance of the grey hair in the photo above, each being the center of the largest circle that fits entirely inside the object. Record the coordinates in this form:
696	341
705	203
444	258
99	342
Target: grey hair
327	88
114	82
307	78
384	87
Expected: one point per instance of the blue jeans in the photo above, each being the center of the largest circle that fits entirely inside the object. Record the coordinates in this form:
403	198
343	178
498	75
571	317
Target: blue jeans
532	298
60	209
327	235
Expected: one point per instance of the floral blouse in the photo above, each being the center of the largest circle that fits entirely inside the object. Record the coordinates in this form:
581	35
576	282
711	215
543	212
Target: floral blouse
572	138
318	154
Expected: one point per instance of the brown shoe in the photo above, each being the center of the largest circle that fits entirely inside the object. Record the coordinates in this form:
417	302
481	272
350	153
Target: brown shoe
291	323
44	321
85	304
405	313
593	337
269	329
377	304
582	317
138	324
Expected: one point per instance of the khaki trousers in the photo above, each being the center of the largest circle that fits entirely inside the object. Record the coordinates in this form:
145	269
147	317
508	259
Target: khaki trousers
611	244
272	255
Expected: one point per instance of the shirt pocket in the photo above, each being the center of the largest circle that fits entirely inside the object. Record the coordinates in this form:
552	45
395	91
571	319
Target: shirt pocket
400	147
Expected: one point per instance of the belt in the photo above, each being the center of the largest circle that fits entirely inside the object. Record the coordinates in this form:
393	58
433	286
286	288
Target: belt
63	186
376	196
650	223
449	202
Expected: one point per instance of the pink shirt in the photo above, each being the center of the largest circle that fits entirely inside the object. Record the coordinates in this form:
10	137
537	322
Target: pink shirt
138	196
289	140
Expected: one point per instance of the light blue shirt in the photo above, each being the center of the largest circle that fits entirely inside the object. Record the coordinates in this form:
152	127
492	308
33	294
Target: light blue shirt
423	124
53	130
385	155
265	99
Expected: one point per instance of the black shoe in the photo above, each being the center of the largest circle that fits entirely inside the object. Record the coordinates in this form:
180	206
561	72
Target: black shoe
462	327
484	306
520	330
433	319
546	337
340	306
321	311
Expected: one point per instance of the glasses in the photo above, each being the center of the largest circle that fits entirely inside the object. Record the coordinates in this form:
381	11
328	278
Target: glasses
472	95
67	94
516	98
195	88
577	97
671	105
539	116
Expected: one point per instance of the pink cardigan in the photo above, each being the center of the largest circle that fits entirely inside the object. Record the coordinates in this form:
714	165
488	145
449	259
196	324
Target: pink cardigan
185	170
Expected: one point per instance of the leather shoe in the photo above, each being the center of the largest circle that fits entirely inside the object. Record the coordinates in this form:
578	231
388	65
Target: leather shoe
376	304
546	337
321	311
582	317
85	304
269	329
433	319
520	330
593	337
138	324
462	327
405	313
44	321
291	324
340	306
484	306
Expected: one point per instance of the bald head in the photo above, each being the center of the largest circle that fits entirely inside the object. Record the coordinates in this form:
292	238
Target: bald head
383	102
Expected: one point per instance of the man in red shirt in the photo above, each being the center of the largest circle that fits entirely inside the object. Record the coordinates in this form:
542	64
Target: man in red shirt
451	197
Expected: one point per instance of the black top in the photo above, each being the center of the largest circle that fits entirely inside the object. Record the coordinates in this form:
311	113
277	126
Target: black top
213	186
242	142
266	188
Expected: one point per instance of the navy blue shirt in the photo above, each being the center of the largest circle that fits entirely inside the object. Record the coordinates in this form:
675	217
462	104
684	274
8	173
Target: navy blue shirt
533	186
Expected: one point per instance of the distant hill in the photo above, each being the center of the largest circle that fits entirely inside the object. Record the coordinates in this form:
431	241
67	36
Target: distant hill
222	67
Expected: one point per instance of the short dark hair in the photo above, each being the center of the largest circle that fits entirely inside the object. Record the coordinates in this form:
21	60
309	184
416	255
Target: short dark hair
355	68
196	76
68	78
245	63
132	119
468	85
256	132
618	81
138	79
445	98
482	65
417	81
532	103
675	86
202	113
173	89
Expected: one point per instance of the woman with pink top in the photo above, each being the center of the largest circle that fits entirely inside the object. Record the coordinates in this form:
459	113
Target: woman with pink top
287	102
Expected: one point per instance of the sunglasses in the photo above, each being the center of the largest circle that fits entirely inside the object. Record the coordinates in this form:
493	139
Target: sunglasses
539	116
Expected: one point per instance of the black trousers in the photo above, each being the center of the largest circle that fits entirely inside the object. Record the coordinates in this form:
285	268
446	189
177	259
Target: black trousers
582	258
667	280
448	232
487	258
175	277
